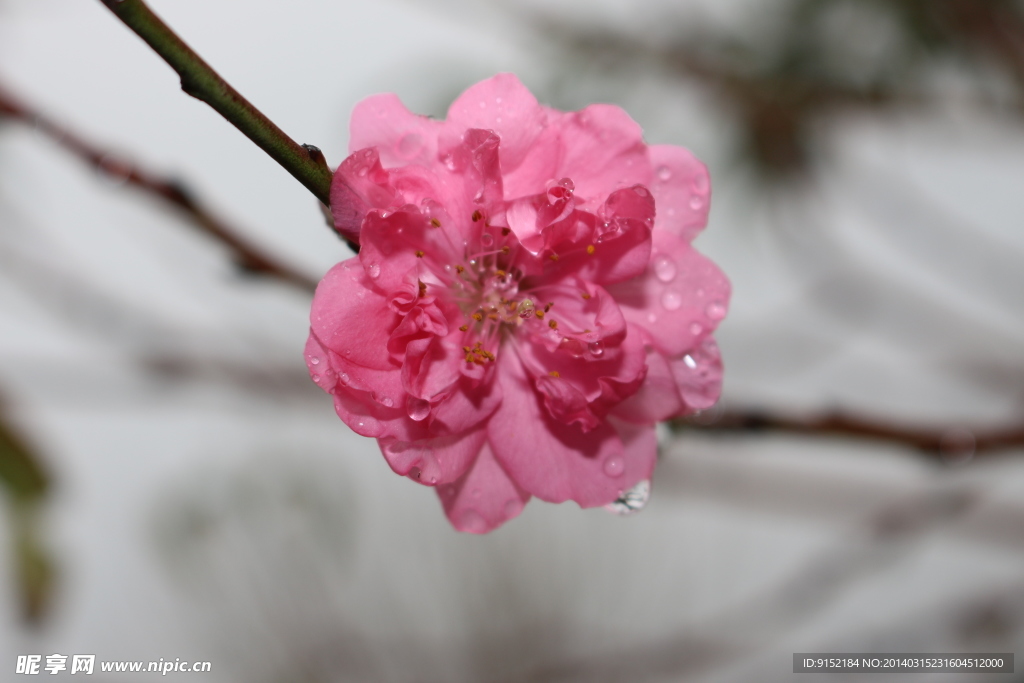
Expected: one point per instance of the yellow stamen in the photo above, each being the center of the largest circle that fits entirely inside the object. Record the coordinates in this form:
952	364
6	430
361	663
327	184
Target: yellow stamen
419	253
553	324
590	249
553	257
539	313
554	373
477	216
436	223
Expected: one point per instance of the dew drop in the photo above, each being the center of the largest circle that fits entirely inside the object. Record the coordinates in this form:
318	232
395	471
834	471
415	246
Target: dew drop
410	145
343	377
632	500
715	310
664	173
690	362
664	268
373	270
497	100
417	408
471	521
614	466
314	360
671	300
316	378
486	239
596	349
362	172
696	328
513	507
696	202
387	402
651	318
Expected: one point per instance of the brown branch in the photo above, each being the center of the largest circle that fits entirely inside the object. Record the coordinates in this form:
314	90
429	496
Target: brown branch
247	256
952	443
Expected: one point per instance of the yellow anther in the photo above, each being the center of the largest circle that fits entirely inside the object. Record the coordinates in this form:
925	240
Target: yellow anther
436	223
505	231
590	249
423	287
553	257
539	313
585	295
463	327
505	249
460	270
477	216
547	307
553	324
419	253
554	373
501	273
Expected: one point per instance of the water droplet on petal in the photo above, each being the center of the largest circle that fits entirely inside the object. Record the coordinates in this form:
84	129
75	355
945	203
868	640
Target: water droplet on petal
417	408
696	328
373	270
651	318
671	300
596	349
664	268
471	521
664	173
614	466
513	507
690	362
410	145
486	239
387	402
343	377
316	378
432	480
314	360
715	310
632	500
696	202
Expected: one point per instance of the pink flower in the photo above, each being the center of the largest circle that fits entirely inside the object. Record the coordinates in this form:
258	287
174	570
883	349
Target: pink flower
525	305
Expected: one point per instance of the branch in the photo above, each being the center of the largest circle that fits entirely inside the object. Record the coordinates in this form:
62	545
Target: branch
247	256
199	80
947	443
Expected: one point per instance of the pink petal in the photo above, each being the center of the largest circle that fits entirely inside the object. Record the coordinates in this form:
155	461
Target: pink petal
352	319
484	498
682	191
504	105
435	461
678	300
400	136
552	460
359	184
657	398
603	151
470	404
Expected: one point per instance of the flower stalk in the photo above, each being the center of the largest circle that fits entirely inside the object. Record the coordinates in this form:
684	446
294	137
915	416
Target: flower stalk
198	79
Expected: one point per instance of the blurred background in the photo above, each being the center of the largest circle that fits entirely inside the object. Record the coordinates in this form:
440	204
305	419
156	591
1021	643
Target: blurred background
174	486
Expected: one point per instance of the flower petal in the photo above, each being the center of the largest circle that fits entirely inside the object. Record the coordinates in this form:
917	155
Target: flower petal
678	300
553	461
603	151
484	498
359	184
400	136
436	461
502	104
698	375
682	191
352	319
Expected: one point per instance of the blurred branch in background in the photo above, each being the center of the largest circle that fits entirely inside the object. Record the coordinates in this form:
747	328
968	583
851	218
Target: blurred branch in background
26	484
249	257
809	60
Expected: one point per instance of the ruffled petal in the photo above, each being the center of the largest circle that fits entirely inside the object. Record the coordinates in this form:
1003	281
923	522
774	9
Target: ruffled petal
351	318
678	300
484	498
504	105
603	151
682	191
400	136
359	184
551	460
